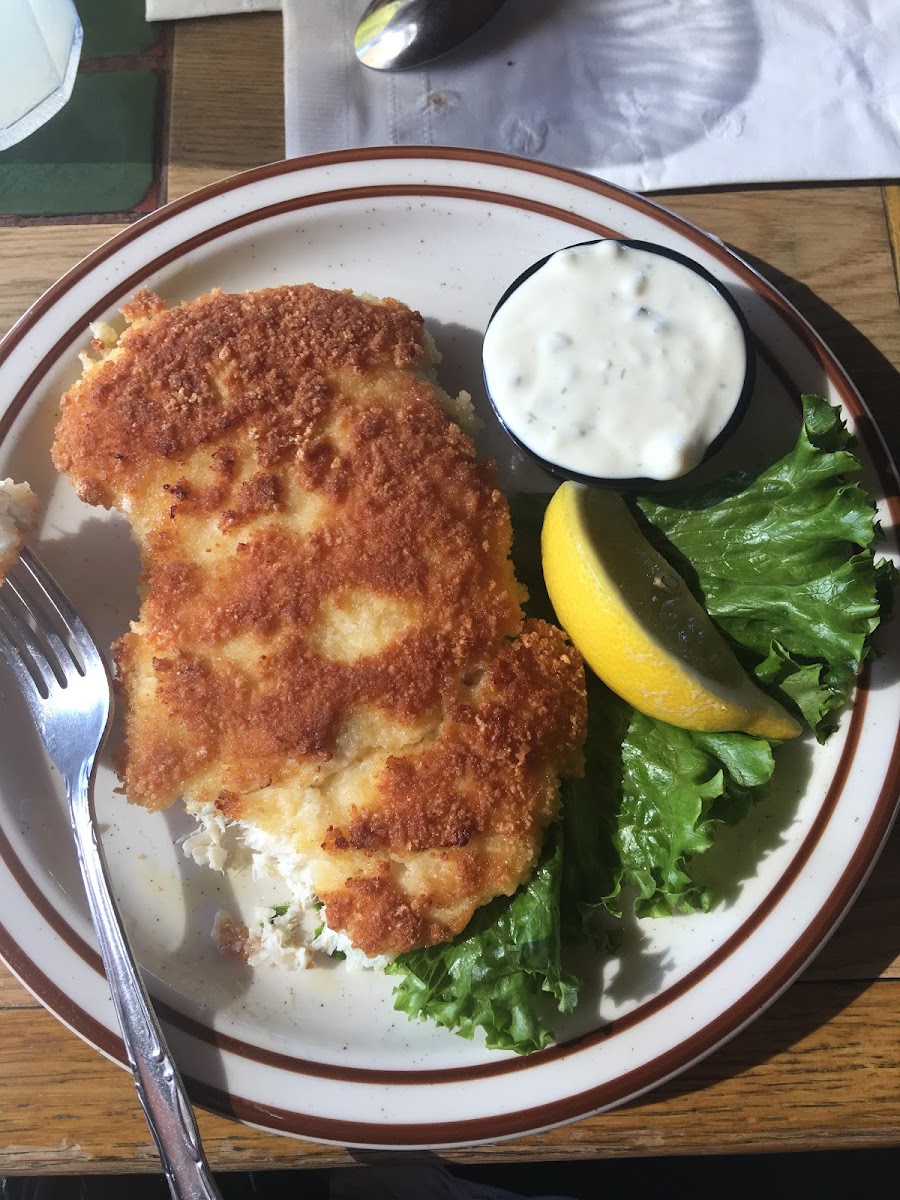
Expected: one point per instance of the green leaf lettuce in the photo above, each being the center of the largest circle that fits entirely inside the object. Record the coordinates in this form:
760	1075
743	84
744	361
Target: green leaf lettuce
783	563
498	973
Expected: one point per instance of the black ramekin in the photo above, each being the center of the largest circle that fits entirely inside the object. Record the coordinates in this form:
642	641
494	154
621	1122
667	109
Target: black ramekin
740	408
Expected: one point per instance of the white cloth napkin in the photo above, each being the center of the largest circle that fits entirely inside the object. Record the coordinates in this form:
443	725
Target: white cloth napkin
650	94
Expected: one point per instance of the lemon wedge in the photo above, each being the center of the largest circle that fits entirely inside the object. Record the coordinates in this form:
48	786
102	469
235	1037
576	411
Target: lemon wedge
638	626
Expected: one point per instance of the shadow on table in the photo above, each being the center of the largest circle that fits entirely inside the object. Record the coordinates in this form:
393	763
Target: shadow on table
868	939
623	82
878	382
823	1175
792	1018
873	373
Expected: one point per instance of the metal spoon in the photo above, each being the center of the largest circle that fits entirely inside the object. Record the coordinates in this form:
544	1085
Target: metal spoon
395	34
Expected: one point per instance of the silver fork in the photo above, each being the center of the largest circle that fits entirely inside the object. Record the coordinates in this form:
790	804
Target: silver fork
66	685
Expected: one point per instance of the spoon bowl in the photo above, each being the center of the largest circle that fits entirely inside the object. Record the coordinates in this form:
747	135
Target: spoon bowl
395	35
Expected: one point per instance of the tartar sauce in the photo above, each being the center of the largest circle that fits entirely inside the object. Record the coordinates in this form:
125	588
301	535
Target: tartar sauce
615	362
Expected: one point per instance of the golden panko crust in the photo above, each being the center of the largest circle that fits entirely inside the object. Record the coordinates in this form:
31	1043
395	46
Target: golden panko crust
330	646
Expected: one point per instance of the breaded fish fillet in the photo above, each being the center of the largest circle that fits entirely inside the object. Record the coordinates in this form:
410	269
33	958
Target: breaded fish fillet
330	648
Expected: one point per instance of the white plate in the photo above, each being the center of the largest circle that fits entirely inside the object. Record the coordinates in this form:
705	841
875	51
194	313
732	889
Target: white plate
322	1054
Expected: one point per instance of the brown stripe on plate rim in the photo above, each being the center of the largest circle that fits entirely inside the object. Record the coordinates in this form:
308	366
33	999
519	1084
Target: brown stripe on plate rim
859	863
62	1006
224	1041
242	220
708	242
241	1048
625	1087
619	1025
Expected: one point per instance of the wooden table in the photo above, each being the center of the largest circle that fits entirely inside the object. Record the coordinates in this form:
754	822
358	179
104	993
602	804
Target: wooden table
821	1068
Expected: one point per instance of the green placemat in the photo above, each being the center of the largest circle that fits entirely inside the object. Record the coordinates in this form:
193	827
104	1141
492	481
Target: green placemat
113	27
95	156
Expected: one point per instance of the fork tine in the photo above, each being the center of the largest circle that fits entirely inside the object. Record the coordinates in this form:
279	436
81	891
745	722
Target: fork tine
49	623
58	608
31	683
31	615
23	650
73	724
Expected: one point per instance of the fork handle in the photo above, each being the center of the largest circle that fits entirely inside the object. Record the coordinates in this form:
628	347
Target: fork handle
159	1085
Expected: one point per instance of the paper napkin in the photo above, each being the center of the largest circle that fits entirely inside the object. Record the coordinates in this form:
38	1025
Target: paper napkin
651	94
172	10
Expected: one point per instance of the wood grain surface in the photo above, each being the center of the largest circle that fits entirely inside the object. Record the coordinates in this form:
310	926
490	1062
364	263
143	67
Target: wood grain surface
33	257
818	1069
821	1067
227	99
